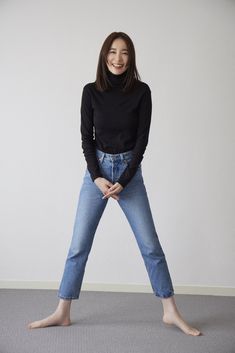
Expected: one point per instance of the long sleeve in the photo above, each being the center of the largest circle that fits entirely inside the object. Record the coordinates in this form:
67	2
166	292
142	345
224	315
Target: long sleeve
87	134
144	121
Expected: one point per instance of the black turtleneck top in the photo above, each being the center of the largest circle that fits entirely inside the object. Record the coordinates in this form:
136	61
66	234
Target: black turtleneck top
114	121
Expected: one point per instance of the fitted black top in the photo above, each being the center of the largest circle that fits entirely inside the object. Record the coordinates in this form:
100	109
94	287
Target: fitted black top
114	121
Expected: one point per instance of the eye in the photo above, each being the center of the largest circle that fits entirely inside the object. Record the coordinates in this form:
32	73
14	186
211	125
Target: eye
113	52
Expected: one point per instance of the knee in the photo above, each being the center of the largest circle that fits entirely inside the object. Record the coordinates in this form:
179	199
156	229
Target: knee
152	250
78	250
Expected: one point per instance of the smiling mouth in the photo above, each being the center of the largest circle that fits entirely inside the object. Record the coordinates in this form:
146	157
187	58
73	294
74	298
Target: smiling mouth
117	66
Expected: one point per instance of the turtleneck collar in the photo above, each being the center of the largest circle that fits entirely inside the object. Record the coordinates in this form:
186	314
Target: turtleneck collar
116	80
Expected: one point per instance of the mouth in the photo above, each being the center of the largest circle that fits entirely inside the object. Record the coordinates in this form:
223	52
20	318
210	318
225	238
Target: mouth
118	66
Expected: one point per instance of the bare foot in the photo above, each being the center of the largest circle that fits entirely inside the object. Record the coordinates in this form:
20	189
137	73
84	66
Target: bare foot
56	319
174	318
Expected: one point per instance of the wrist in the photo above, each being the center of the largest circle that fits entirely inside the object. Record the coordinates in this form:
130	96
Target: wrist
97	178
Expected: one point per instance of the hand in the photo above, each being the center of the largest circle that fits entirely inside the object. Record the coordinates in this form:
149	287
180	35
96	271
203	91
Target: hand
113	191
106	188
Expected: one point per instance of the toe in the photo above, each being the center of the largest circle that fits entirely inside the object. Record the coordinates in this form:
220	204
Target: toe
194	332
30	325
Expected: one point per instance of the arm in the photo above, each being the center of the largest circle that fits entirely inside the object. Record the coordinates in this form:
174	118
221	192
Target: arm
144	118
87	134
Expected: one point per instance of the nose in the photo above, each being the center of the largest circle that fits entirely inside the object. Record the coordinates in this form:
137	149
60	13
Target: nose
119	58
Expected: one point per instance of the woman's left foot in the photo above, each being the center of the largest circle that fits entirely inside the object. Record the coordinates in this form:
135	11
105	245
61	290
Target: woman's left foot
174	318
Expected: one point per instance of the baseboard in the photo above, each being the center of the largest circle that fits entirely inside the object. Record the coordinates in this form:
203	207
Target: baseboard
111	287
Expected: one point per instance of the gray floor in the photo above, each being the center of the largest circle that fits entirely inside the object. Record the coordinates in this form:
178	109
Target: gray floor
105	322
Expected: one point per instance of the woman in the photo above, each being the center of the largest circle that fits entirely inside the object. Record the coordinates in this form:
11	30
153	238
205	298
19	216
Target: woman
115	120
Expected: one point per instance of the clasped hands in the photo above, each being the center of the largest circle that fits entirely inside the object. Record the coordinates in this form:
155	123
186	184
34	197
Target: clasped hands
108	189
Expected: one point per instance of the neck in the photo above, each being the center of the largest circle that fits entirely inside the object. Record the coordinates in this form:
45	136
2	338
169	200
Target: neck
116	80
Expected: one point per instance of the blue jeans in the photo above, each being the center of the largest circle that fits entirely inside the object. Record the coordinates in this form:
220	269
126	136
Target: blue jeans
134	202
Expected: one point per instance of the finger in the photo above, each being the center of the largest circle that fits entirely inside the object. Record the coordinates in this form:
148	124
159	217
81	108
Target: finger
108	196
107	191
110	193
105	196
114	188
114	196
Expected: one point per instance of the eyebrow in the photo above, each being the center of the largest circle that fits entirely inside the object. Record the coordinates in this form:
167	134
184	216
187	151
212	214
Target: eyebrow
115	49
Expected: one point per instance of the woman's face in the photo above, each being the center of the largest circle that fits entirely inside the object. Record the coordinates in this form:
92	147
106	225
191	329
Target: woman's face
117	57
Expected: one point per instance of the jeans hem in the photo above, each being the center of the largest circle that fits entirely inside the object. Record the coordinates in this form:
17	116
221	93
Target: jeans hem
164	295
67	298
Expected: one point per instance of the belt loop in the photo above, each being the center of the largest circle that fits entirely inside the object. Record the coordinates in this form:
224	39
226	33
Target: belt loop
102	157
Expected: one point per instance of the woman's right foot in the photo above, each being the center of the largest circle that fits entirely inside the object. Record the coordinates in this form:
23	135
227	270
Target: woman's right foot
56	319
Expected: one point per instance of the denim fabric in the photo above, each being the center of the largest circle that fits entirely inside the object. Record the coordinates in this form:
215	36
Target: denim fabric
135	205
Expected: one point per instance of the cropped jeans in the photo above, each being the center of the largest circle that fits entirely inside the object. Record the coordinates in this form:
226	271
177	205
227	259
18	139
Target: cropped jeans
133	200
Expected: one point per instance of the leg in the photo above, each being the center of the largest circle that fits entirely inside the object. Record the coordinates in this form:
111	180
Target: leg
135	204
89	211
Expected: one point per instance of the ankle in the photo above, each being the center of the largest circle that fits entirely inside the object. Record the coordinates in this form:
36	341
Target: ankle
64	303
169	305
63	307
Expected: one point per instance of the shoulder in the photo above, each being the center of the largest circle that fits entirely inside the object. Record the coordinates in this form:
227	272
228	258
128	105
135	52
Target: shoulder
88	86
143	87
87	90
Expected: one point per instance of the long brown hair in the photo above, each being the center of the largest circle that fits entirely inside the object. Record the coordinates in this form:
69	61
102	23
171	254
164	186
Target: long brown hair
132	76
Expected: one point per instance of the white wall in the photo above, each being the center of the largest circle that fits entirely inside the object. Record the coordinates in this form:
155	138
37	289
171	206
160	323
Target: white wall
185	52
